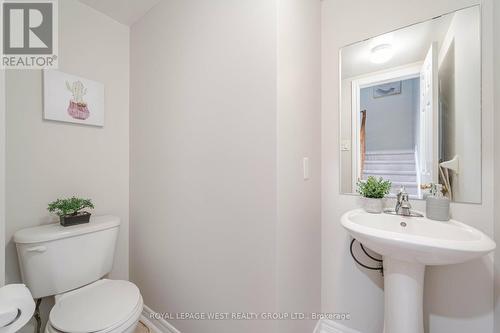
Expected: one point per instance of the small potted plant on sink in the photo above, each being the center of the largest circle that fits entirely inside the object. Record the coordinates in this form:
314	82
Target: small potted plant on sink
70	210
373	191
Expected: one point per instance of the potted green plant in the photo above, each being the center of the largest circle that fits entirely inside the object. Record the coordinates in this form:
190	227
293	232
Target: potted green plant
70	210
373	191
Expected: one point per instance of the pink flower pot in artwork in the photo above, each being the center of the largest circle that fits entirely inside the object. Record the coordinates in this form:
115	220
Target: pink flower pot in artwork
78	110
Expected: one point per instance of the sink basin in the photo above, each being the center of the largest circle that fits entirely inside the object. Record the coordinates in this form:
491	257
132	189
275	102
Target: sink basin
417	239
407	245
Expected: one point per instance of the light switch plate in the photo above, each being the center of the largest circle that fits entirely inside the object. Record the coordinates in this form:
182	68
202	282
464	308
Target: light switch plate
345	145
305	165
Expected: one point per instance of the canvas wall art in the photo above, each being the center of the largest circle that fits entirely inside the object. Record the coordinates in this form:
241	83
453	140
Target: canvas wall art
73	99
387	89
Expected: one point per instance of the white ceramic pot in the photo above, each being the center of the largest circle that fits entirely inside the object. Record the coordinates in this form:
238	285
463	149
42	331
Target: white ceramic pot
375	206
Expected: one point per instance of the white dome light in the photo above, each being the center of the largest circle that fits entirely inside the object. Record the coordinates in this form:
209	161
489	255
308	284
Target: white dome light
381	53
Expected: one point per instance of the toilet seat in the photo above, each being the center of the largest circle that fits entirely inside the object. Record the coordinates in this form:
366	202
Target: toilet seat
98	307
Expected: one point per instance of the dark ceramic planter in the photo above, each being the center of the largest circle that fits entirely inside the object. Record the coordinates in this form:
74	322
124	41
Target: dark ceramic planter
80	218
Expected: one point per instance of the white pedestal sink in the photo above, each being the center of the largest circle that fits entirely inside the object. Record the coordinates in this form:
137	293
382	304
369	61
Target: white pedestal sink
407	245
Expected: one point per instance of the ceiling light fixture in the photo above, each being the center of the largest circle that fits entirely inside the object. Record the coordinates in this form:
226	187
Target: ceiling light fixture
381	53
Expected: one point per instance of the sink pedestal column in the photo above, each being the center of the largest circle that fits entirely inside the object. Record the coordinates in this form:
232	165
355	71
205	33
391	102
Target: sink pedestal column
403	293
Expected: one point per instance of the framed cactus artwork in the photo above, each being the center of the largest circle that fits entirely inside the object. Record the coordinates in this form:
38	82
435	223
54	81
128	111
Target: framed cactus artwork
73	99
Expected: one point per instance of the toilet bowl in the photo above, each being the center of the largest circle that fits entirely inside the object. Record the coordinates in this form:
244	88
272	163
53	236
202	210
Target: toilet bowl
70	263
105	306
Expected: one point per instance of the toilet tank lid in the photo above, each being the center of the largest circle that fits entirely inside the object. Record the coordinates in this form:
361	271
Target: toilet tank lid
53	231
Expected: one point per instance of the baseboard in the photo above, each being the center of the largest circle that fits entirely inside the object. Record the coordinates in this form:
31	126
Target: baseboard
156	325
330	326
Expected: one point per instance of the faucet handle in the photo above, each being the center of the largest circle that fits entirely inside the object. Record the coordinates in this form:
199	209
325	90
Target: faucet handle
401	193
403	203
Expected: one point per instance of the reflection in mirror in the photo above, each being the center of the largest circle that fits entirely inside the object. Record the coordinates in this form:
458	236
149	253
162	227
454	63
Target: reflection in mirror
411	107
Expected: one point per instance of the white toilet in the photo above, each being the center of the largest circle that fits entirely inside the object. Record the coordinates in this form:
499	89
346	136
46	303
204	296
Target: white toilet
69	263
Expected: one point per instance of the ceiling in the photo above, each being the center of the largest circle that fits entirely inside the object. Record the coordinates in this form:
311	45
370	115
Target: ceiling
410	45
123	11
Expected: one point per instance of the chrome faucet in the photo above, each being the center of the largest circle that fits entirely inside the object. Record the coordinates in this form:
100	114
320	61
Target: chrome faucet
403	206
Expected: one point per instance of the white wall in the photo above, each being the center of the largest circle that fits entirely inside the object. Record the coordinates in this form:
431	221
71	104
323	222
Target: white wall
496	38
447	104
451	304
203	160
47	160
464	34
345	122
222	113
299	135
2	177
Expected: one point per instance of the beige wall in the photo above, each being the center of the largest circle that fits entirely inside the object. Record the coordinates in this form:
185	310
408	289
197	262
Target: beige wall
457	298
203	160
46	159
298	283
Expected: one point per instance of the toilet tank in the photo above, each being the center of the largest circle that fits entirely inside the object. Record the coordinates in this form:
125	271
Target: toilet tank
54	259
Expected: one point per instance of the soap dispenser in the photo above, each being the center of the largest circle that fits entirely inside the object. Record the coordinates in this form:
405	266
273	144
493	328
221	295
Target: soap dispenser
437	205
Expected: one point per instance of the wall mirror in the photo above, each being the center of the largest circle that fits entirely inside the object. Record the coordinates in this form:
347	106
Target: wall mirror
410	107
